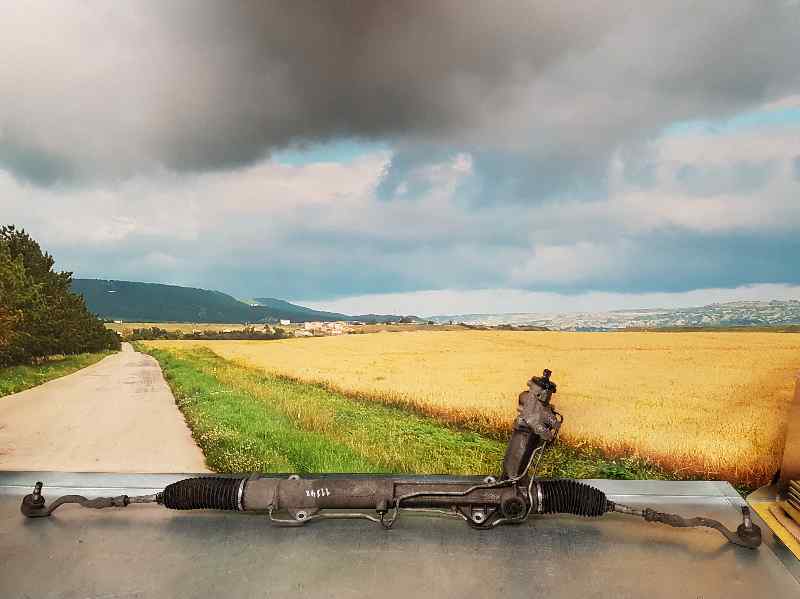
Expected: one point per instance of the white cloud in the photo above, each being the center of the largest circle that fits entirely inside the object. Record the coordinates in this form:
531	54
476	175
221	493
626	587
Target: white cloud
484	301
788	101
319	229
745	146
555	264
160	261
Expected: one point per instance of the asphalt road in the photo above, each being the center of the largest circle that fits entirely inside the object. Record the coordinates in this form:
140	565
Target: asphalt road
115	416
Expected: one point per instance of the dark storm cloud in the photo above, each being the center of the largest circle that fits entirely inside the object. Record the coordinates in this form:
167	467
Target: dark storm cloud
199	86
676	261
310	70
34	164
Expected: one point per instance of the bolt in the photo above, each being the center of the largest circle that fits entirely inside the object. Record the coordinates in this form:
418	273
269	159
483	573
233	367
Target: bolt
746	520
37	498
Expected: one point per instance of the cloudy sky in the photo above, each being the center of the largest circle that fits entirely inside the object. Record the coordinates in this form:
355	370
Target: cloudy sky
411	157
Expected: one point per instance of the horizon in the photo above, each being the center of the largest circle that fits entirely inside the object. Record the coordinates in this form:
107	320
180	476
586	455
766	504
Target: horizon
466	160
349	307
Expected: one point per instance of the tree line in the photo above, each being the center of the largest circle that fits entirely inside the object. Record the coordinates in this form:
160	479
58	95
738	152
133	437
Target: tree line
39	315
152	333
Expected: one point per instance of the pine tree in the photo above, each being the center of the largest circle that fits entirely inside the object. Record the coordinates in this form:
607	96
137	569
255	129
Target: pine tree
39	316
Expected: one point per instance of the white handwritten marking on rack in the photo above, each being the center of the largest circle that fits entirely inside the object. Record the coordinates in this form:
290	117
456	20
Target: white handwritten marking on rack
318	492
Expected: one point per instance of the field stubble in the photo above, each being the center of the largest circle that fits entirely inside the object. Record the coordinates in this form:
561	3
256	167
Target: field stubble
711	405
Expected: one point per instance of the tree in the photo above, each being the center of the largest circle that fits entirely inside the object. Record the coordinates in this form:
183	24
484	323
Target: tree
39	316
19	295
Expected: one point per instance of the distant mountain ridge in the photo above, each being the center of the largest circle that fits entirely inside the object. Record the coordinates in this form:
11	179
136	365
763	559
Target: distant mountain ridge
282	306
302	314
770	313
156	302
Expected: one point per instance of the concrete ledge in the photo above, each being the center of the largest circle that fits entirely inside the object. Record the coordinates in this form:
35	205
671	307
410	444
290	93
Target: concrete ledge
148	551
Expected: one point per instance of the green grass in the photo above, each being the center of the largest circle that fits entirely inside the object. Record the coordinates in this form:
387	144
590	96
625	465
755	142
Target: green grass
248	420
18	378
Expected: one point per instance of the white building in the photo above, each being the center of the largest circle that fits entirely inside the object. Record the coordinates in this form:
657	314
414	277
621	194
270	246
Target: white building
284	321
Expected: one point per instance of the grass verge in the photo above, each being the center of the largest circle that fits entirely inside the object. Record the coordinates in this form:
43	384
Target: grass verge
248	420
18	378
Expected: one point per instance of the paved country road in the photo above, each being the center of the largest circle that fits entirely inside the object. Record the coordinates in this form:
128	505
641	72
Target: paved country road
115	416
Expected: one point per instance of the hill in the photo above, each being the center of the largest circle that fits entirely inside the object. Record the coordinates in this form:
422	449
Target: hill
297	313
156	302
301	313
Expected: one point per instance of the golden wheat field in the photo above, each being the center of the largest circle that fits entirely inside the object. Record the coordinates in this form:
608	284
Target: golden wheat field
702	404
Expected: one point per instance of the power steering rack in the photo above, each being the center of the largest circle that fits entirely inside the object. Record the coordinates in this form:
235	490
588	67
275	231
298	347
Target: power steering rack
510	498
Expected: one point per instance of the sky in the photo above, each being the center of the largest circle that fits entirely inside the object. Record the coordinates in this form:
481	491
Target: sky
405	157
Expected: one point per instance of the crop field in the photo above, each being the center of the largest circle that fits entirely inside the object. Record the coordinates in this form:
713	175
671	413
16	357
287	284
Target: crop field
712	405
246	420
